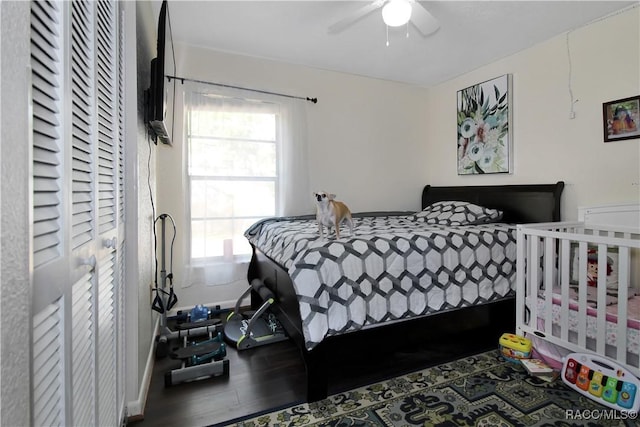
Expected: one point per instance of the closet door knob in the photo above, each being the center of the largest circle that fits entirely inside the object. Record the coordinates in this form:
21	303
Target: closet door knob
111	243
89	261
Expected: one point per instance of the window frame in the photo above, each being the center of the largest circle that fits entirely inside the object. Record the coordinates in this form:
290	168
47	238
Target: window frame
242	104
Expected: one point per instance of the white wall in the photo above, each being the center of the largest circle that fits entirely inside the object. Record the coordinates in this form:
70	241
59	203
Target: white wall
140	33
377	143
548	145
366	141
15	249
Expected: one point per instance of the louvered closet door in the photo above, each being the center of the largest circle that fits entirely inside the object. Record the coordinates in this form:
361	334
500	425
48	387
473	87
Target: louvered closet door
78	265
83	194
107	173
120	242
50	258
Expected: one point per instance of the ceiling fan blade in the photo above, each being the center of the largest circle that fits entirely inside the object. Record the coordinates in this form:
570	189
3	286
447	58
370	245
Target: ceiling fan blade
423	20
355	16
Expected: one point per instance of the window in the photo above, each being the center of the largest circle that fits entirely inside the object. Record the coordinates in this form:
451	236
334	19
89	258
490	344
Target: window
245	159
233	149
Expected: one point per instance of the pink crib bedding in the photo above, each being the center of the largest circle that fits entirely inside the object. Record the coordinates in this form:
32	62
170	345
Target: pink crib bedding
633	317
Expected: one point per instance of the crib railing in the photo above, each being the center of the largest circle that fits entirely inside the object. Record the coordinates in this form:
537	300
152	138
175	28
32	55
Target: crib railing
553	257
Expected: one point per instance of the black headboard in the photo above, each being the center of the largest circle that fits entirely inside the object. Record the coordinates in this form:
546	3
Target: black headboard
521	204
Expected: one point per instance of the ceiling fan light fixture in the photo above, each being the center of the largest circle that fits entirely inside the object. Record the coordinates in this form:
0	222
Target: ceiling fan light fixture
396	12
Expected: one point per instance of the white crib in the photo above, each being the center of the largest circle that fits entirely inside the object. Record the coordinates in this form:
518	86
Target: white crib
561	306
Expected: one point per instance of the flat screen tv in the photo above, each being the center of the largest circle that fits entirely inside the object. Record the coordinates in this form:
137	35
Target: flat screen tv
162	90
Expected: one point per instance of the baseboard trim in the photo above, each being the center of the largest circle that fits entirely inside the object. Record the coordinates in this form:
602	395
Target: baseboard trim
135	409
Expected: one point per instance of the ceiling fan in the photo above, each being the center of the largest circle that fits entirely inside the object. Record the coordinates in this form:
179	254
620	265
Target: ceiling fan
394	13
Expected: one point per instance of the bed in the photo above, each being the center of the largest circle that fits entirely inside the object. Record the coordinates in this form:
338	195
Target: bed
402	276
577	286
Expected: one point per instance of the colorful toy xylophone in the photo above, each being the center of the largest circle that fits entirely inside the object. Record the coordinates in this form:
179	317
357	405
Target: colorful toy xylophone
601	380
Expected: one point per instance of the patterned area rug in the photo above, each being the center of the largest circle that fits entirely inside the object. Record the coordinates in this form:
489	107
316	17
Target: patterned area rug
481	390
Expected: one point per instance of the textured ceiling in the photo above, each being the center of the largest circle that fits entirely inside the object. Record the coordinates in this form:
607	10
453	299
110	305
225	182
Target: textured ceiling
471	34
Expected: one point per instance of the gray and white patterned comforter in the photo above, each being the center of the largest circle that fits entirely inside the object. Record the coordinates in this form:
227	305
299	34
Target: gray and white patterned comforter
393	267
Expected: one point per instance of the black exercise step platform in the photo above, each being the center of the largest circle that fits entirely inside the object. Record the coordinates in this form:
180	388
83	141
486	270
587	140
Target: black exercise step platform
196	349
198	360
211	369
198	324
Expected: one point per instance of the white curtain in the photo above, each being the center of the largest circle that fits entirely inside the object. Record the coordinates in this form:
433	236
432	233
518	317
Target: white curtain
293	191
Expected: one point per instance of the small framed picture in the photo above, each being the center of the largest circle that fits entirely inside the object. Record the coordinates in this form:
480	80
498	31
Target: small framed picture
621	119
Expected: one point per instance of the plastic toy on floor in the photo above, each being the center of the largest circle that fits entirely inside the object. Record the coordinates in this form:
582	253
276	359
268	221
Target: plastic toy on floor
602	380
514	347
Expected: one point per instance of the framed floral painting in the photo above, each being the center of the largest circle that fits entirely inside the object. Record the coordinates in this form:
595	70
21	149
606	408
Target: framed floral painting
484	139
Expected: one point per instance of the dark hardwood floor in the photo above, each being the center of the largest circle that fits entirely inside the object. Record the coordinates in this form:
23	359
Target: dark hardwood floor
273	376
259	379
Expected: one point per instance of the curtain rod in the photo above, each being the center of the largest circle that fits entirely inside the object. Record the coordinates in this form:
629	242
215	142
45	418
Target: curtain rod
183	79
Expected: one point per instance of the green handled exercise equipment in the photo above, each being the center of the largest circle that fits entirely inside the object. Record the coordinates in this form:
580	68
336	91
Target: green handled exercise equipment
253	329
